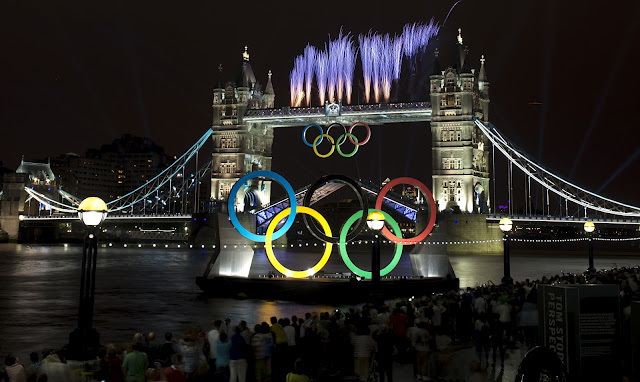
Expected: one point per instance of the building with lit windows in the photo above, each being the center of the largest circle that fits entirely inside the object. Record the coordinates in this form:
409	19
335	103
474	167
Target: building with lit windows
238	147
459	149
113	170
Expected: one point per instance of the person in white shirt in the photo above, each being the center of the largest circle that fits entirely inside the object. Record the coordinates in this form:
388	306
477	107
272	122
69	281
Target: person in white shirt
213	337
480	304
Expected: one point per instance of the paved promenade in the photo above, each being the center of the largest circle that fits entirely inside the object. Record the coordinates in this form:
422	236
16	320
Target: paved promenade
460	366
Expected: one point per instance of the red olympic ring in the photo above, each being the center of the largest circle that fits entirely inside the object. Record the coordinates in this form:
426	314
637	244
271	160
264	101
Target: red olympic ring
368	133
432	210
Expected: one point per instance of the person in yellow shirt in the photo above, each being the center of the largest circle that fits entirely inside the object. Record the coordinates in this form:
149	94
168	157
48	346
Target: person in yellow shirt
297	375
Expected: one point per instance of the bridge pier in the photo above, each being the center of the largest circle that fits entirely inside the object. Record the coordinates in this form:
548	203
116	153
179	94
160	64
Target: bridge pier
466	228
431	260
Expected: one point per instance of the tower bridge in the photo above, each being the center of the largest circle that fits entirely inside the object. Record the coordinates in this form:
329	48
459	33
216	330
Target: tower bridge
464	146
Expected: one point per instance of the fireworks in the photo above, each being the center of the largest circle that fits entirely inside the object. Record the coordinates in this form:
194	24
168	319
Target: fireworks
380	55
296	82
378	64
367	63
396	56
348	67
309	60
322	71
332	76
416	37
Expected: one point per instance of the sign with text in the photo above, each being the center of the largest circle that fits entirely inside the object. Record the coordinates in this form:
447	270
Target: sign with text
580	324
554	327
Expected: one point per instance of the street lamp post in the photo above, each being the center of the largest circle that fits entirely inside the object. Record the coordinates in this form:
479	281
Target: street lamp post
589	227
375	222
92	212
505	226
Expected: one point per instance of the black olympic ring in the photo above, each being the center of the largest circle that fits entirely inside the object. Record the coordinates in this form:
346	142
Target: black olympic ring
364	203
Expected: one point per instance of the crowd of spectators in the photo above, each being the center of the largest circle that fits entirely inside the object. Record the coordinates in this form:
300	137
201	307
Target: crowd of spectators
336	345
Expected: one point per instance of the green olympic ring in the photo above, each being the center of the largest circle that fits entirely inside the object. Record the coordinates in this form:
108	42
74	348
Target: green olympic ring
343	247
335	146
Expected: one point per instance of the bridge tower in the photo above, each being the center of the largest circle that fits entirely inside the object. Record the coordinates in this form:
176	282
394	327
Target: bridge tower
240	147
460	150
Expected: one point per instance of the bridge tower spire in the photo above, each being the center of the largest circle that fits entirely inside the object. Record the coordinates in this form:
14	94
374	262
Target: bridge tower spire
460	151
240	147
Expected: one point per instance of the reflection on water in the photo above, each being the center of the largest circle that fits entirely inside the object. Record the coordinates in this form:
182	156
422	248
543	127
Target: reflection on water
141	290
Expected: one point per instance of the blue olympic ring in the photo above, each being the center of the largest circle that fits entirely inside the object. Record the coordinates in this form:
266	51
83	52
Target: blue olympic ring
232	204
304	133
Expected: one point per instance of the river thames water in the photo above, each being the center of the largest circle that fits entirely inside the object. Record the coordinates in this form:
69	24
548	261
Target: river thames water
153	289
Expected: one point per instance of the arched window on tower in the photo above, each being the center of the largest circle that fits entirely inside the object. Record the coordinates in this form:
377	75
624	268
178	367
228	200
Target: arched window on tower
224	190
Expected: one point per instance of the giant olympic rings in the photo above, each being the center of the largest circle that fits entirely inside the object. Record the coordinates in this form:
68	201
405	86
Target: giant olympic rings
432	209
327	237
340	141
364	205
272	257
232	204
343	247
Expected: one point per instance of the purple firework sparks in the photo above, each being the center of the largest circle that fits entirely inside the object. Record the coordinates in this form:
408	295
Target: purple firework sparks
322	71
367	66
376	59
386	66
309	59
397	57
296	82
348	68
334	71
340	45
416	37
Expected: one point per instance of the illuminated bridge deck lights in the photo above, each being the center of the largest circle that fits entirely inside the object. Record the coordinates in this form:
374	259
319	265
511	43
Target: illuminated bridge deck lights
374	114
114	217
562	219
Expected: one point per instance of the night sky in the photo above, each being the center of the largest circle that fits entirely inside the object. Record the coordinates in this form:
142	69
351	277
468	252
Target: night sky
75	75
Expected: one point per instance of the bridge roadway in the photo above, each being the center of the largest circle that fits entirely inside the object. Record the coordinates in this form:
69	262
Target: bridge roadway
562	219
375	114
404	207
111	217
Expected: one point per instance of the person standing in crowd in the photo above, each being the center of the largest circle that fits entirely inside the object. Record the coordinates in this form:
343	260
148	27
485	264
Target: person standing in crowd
223	349
399	322
153	348
504	311
55	370
290	332
237	357
482	337
212	338
15	371
135	364
33	369
363	346
384	341
262	344
190	356
419	340
114	365
279	355
497	340
480	304
297	375
167	350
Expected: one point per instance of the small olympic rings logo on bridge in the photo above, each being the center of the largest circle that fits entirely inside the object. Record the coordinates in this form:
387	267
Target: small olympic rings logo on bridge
336	146
346	233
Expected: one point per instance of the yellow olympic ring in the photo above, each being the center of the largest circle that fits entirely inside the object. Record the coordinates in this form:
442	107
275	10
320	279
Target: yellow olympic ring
315	147
269	247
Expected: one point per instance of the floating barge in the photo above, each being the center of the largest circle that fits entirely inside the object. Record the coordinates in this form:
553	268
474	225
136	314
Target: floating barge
322	290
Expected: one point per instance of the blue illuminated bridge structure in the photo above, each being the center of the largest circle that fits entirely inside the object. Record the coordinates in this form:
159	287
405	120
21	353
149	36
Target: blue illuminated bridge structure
177	183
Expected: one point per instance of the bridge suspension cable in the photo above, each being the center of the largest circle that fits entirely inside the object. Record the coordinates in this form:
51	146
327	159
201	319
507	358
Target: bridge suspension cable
554	183
143	192
53	204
